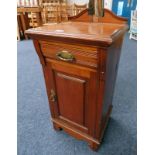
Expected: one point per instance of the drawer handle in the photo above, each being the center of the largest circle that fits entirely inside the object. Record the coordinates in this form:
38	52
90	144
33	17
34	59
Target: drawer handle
65	56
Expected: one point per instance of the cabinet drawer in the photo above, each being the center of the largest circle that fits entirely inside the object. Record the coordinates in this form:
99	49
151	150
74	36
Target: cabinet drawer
86	56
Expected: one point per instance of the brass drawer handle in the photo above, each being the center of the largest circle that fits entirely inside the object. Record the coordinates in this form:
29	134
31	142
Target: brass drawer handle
65	56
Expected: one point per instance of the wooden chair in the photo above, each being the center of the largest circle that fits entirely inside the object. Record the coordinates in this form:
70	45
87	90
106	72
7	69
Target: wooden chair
33	21
63	14
54	11
22	25
70	10
50	11
18	32
18	27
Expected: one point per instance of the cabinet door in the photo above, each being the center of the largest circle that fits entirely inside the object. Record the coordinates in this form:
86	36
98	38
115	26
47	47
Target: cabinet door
72	94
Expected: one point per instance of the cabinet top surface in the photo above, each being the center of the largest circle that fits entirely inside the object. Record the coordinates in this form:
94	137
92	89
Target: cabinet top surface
101	32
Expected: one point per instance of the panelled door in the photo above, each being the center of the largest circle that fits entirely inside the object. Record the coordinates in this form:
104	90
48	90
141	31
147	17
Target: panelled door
72	93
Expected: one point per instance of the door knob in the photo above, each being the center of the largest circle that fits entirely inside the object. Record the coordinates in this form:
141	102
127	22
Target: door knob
53	97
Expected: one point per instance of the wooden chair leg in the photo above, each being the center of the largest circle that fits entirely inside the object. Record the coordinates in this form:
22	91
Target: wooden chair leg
18	34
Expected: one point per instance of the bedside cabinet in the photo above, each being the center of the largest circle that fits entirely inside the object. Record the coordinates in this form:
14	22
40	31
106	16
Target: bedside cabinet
80	63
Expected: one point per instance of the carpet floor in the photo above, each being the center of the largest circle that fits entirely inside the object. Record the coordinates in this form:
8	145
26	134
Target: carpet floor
36	135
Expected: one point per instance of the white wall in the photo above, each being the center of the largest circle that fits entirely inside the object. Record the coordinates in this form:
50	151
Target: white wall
78	1
107	3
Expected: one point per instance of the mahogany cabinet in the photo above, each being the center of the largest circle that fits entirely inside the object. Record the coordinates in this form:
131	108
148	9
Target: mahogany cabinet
80	62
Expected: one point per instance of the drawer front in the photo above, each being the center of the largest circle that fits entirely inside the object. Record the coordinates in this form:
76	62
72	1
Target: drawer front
85	56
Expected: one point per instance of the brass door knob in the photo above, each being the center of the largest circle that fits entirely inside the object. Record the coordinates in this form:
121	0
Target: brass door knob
53	97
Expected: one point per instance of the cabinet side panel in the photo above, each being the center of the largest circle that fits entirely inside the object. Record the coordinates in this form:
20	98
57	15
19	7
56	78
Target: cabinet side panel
112	62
